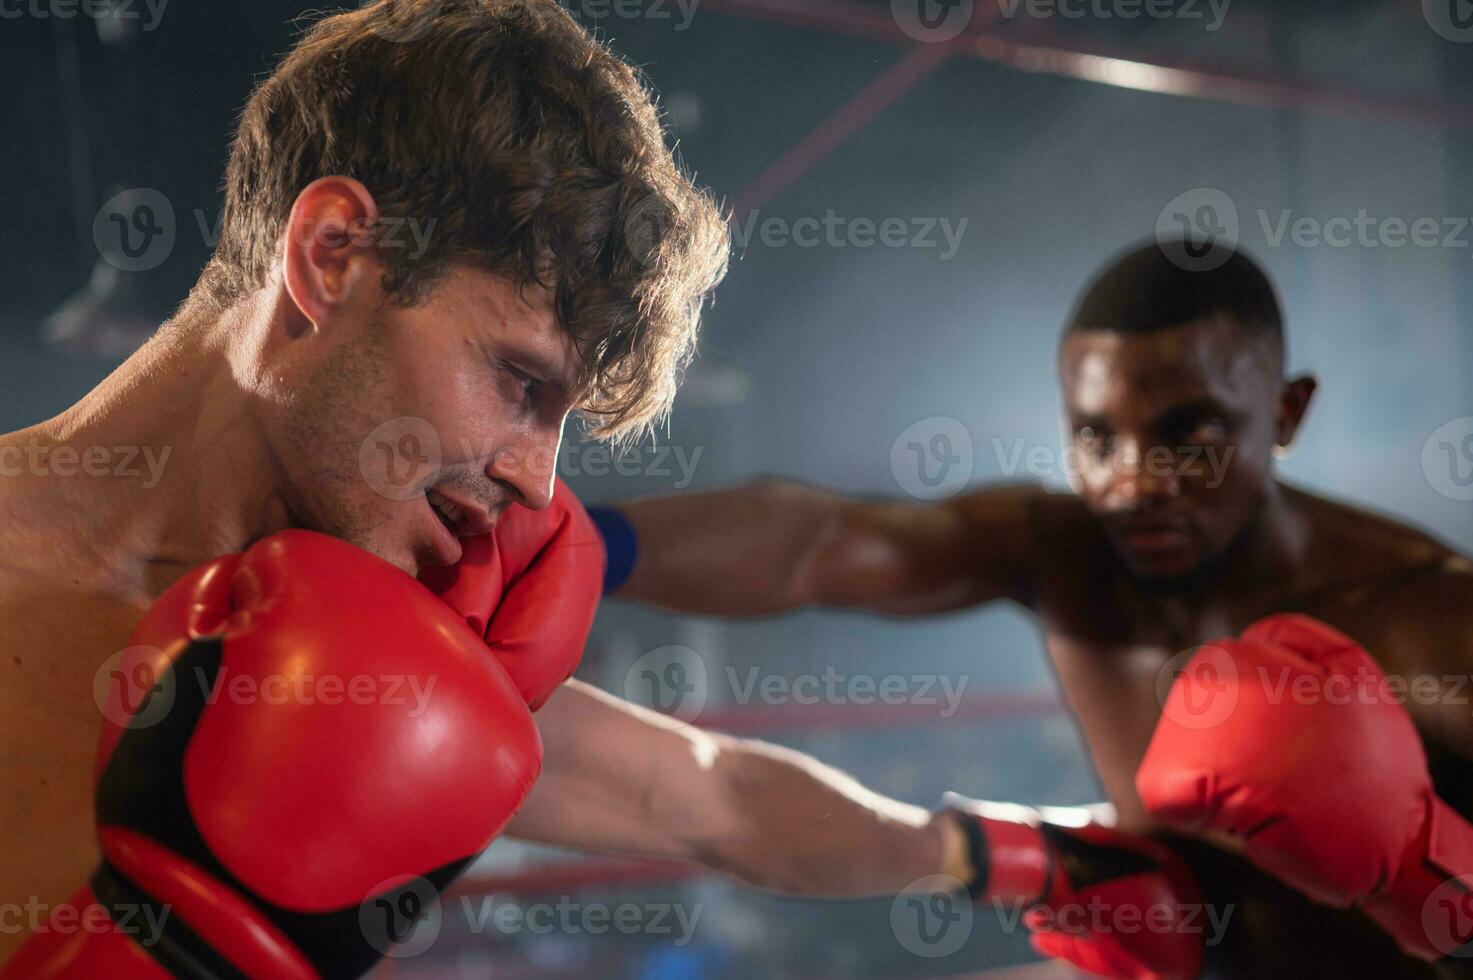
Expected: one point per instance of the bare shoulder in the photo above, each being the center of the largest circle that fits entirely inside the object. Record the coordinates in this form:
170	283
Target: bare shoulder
1015	525
57	614
1435	601
1023	508
1068	558
30	540
1056	513
1065	535
1403	592
1408	598
1374	555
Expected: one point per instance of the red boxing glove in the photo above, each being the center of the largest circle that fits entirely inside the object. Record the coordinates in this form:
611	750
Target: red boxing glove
1112	904
1289	739
531	588
301	757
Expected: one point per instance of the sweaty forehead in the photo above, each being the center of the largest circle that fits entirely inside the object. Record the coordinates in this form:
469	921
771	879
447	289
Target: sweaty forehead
1108	372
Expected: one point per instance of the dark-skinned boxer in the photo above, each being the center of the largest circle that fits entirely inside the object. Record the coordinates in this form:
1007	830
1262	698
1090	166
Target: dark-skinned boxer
1178	534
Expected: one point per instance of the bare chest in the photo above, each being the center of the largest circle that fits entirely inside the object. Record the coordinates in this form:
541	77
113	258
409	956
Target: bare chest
1115	675
55	642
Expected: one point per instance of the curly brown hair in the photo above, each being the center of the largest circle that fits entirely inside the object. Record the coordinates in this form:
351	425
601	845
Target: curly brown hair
537	152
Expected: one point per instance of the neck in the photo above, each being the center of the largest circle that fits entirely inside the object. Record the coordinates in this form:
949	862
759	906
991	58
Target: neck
1274	545
1271	550
1269	553
188	475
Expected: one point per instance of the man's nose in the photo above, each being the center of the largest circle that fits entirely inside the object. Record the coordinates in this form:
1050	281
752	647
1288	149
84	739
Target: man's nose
528	465
1141	473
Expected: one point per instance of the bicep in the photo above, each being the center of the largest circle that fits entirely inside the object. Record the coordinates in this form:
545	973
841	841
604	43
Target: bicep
907	558
613	776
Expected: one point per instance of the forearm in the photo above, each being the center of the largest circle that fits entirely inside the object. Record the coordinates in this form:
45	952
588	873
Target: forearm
803	828
620	779
747	550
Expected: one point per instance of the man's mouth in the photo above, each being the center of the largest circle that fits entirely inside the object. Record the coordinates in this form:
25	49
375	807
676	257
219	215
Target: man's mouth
1154	541
1148	536
448	513
461	517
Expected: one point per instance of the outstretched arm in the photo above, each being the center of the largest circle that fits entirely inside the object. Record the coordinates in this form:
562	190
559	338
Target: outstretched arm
620	779
776	545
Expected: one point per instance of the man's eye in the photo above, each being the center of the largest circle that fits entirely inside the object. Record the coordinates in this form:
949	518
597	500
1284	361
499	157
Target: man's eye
1098	442
1206	431
525	381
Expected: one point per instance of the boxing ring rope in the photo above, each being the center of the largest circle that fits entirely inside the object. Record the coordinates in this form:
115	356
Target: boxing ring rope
918	64
1113	66
841	126
1125	69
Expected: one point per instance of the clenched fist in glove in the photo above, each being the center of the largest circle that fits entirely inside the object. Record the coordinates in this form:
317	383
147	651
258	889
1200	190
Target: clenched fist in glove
1111	903
1290	739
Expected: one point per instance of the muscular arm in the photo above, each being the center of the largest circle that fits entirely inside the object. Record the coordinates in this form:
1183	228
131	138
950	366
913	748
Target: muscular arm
620	779
775	545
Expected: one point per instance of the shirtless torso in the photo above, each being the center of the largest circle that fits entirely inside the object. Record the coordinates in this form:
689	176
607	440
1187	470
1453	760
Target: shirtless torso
84	551
62	618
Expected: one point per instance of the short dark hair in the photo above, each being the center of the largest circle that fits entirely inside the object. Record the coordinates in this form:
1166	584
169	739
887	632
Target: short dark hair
538	152
1148	288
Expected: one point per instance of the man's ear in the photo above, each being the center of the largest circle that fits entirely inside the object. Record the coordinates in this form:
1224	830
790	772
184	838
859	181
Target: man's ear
327	251
1294	399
